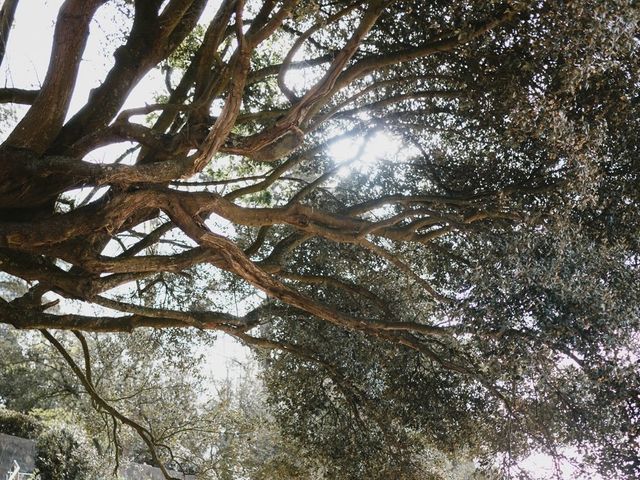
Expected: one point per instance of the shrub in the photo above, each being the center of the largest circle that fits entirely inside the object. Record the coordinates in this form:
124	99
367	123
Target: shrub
63	453
19	425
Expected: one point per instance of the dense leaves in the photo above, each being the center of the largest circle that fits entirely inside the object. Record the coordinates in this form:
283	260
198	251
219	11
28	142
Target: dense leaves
63	454
422	215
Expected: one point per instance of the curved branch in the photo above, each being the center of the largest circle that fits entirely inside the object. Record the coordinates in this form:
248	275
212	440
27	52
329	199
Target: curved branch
44	119
147	44
7	13
144	433
286	63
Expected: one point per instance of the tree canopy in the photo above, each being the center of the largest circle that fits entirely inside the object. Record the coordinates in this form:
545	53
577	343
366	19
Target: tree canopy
424	216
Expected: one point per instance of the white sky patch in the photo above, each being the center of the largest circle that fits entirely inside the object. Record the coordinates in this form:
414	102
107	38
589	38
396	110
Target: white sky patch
29	45
226	361
221	226
381	145
378	147
344	149
543	466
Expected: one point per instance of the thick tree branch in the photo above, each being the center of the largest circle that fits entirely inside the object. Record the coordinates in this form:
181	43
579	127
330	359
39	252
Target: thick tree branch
44	119
148	43
7	13
17	95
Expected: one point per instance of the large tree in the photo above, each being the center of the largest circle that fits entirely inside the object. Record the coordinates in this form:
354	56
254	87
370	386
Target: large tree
472	286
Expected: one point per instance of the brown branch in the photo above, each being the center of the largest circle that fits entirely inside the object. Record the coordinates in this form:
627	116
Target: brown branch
148	240
380	62
274	261
376	85
238	263
44	119
85	353
225	122
270	179
148	43
403	267
287	129
261	28
7	13
286	63
445	44
141	317
338	284
207	82
257	243
257	76
17	95
310	187
114	215
151	263
395	100
204	320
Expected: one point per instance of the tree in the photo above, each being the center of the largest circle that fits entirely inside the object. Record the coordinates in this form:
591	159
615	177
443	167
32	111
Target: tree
477	289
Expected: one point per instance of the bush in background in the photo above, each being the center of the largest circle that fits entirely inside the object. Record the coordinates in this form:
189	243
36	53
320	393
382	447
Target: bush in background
19	424
64	453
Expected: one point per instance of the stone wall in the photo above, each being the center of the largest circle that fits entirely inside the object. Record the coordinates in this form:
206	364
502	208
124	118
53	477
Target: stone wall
19	449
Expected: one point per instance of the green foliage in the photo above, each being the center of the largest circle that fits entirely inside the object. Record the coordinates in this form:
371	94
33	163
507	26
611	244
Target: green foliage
19	424
63	453
381	413
182	56
29	376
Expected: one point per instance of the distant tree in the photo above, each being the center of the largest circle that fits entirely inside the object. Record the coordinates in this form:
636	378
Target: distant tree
475	291
155	384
